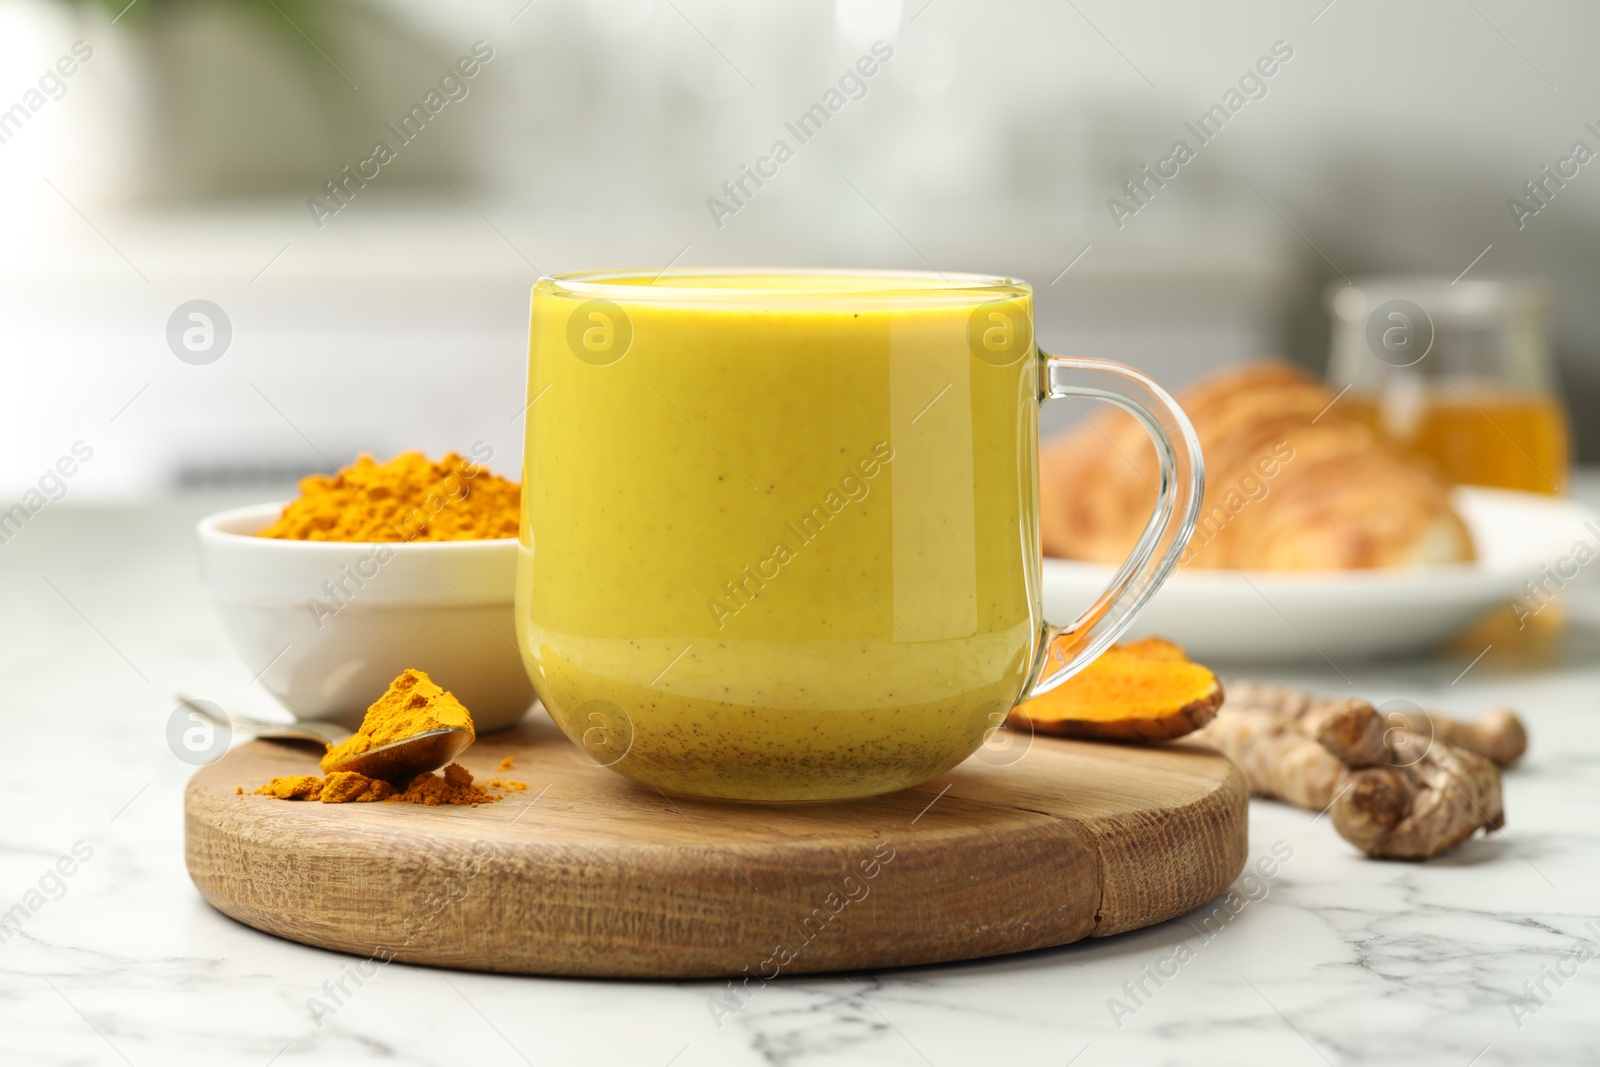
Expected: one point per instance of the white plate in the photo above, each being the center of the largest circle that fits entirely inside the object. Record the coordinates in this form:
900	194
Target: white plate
1276	615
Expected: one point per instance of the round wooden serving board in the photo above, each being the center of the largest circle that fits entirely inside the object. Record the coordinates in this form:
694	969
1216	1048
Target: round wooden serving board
588	873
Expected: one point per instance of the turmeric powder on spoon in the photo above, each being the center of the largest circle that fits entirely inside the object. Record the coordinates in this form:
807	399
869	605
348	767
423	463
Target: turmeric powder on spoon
412	705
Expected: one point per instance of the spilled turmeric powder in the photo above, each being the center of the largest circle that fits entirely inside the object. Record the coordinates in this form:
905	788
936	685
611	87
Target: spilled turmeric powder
293	787
409	498
455	786
341	787
412	705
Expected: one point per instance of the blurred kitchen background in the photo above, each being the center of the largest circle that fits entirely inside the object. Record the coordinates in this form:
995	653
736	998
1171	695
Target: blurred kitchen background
176	160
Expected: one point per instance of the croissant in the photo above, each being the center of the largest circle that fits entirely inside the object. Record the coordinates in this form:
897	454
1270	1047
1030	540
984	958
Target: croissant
1292	483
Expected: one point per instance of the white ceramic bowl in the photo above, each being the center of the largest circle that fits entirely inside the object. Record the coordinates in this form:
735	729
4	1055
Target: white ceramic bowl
330	624
1260	616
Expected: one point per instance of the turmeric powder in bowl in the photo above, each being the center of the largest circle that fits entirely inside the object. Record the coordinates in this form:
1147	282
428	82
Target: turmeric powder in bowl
433	583
409	498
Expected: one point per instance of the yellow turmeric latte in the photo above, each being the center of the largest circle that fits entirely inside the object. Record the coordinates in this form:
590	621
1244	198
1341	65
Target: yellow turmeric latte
409	498
781	544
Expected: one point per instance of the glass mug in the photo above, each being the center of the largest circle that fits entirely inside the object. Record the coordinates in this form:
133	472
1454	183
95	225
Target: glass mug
780	532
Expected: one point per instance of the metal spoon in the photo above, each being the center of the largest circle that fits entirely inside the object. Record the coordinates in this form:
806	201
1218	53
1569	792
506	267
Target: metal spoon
397	761
403	760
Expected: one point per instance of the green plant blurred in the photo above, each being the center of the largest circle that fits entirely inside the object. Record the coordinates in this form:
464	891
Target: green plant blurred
312	23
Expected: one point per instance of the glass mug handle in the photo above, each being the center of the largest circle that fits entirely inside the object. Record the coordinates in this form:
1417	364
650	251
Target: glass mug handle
1066	650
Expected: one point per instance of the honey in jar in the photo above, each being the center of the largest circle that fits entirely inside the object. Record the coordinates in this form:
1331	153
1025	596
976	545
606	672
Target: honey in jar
1458	373
1477	434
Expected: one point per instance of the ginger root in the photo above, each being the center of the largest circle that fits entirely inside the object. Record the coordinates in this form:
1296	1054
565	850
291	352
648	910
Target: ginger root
1423	809
1498	735
1145	690
1392	788
1277	758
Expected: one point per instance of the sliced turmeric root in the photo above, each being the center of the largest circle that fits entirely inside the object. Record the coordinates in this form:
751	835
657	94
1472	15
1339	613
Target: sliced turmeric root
1145	690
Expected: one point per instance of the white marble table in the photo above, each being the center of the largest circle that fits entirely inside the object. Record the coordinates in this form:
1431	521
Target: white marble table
1336	960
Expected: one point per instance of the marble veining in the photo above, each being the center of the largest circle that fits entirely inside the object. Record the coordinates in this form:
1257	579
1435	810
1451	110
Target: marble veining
1335	959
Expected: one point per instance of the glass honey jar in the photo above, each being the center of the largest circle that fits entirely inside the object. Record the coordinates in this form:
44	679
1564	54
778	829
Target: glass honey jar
1457	373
